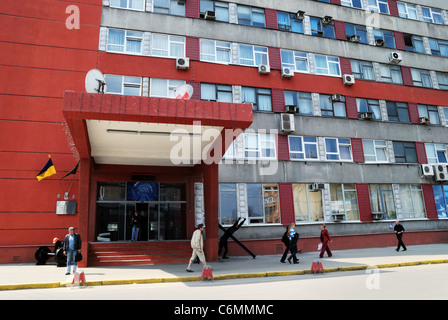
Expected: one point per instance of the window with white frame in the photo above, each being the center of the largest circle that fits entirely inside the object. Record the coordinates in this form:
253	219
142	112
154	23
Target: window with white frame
421	78
164	45
259	146
125	41
407	10
263	203
259	97
173	7
215	51
302	100
298	61
445	113
430	112
391	74
369	105
432	15
362	70
129	86
344	203
375	151
221	9
327	65
378	6
382	200
412	203
303	148
352	3
307	203
128	4
216	92
252	55
338	149
251	16
163	88
436	153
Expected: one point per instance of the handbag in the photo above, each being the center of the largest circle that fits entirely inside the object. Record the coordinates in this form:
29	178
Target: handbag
78	257
319	246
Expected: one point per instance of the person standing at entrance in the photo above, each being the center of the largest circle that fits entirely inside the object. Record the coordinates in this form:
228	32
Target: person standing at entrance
325	238
197	244
135	224
72	246
399	230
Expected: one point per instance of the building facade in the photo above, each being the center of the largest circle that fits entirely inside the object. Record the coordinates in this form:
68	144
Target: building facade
327	112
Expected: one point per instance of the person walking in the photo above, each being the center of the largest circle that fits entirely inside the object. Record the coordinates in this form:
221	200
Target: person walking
325	238
399	230
135	224
290	238
197	244
72	246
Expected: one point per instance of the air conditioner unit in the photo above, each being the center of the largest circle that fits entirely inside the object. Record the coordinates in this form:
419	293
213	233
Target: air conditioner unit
182	63
355	39
287	72
314	187
366	115
291	109
336	97
209	15
427	170
377	216
348	79
327	20
441	172
264	69
395	57
287	122
424	120
300	15
380	43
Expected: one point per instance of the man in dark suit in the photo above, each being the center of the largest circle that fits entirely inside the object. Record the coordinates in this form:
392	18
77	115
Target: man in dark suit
71	247
399	230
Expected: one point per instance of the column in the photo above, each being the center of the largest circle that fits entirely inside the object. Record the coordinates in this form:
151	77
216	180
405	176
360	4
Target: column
211	209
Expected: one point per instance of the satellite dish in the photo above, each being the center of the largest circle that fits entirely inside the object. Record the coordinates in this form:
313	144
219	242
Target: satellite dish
183	92
95	82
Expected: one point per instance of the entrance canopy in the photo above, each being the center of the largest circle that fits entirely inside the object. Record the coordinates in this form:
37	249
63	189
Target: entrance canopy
130	130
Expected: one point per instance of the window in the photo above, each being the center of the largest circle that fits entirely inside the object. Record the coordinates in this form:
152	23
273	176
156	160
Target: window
382	200
307	204
327	65
164	88
128	4
318	28
441	199
414	43
412	203
215	51
331	106
404	152
263	203
445	113
362	70
436	153
391	74
130	86
303	148
421	78
344	204
250	16
221	9
432	15
378	6
430	112
259	146
260	98
173	7
216	92
124	41
438	47
338	149
167	46
228	208
288	21
356	33
369	105
298	61
352	3
442	80
375	151
252	56
406	10
397	111
385	35
302	100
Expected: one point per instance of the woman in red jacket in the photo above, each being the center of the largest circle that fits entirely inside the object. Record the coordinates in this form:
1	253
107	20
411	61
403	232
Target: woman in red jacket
325	238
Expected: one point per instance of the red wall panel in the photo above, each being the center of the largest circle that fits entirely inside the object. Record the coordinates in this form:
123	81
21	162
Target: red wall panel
365	211
413	113
278	100
430	204
393	8
282	147
421	152
271	18
286	203
357	150
351	107
339	29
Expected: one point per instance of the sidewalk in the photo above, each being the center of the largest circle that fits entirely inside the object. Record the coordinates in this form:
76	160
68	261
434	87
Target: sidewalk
27	276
